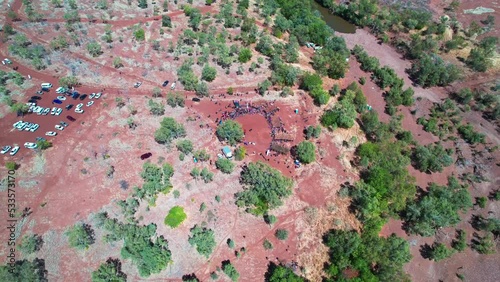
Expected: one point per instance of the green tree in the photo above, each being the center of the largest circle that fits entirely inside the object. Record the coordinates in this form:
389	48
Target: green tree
169	130
224	165
156	108
313	132
208	73
263	86
245	55
11	165
311	81
230	131
279	273
166	21
175	217
185	146
69	81
341	115
267	245
432	158
156	92
203	239
306	152
117	62
140	34
239	153
484	245
44	144
202	89
460	243
230	271
80	236
439	252
94	49
143	4
31	243
281	234
111	270
24	270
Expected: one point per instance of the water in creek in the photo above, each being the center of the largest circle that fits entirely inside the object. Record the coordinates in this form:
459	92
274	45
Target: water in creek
336	23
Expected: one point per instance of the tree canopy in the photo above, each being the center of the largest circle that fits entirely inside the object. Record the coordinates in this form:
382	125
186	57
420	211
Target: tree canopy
230	131
306	152
109	271
169	130
203	239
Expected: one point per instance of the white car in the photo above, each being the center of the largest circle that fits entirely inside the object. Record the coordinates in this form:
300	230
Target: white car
14	150
46	111
53	112
18	124
78	111
90	103
27	126
62	98
59	127
59	111
91	96
137	84
7	61
30	145
34	127
51	133
98	95
79	105
5	149
31	109
21	126
60	90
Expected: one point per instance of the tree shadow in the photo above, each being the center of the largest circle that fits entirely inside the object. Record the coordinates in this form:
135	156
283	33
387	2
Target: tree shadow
426	251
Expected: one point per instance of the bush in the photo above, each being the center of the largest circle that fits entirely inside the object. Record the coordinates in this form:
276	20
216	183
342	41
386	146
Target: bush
80	236
169	130
245	55
281	234
156	108
208	73
230	131
311	81
469	135
484	245
202	89
267	245
439	252
279	273
10	165
270	219
239	153
175	216
69	81
31	243
461	241
203	239
306	152
432	158
206	175
230	271
224	165
313	132
94	49
166	21
140	34
342	115
230	243
265	187
185	146
111	270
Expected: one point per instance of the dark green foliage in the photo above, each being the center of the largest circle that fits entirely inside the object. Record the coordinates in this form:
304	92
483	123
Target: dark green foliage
224	165
432	158
80	236
156	108
230	243
206	175
230	131
263	86
331	60
484	245
24	270
190	278
110	271
201	155
320	96
469	135
166	21
185	146
270	219
31	243
439	252
208	73
175	99
203	239
306	152
480	57
187	76
265	46
230	271
437	208
156	180
488	224
169	130
375	258
284	75
342	114
265	187
310	81
281	234
44	144
460	243
245	55
280	273
481	202
431	70
313	132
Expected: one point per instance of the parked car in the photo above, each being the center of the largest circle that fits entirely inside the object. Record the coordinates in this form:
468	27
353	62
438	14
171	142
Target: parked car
32	101
62	98
165	83
90	103
79	105
6	61
53	111
30	145
14	150
60	90
34	127
46	85
70	118
63	123
59	127
39	92
79	111
195	99
38	139
57	101
91	96
68	107
59	111
36	97
51	133
75	95
173	86
98	95
137	84
83	97
145	156
27	126
46	111
5	149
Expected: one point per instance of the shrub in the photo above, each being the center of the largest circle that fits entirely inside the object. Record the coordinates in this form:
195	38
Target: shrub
94	49
117	62
230	271
484	245
156	108
439	252
245	55
140	34
481	202
311	81
175	216
281	234
208	73
460	243
202	89
267	245
432	158
201	155
80	236
206	175
203	239
469	135
185	146
270	219
230	243
224	165
279	273
313	132
111	270
230	131
10	165
169	130
31	243
69	81
166	21
306	152
239	153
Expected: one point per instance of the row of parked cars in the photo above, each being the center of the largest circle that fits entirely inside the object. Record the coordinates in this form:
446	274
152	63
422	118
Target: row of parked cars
28	126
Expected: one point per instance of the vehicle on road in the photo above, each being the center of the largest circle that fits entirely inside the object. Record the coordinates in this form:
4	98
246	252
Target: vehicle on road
59	127
165	83
63	123
30	145
79	111
137	84
57	101
70	118
98	95
6	61
83	97
46	85
59	111
173	86
36	97
90	103
5	149
51	133
68	107
195	99
14	150
145	156
62	98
